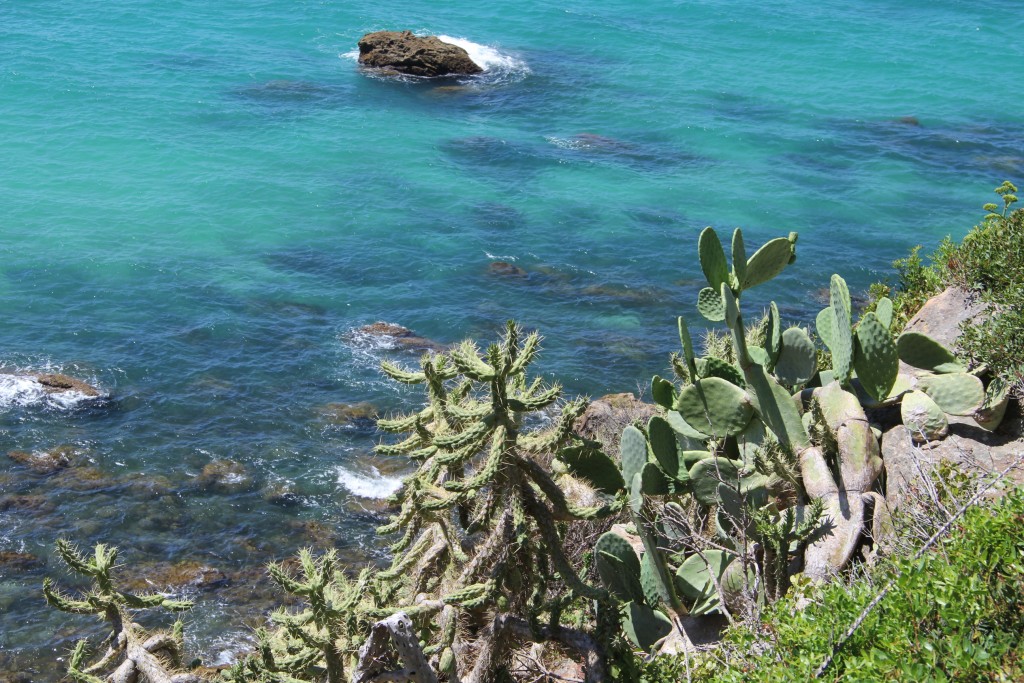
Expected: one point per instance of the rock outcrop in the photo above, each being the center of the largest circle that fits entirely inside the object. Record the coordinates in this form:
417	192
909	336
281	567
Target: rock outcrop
942	315
402	52
606	417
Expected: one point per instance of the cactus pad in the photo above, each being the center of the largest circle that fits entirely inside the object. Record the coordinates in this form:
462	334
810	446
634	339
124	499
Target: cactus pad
921	351
732	311
823	327
645	626
662	439
797	361
709	305
842	334
663	392
594	467
739	260
876	360
715	407
683	428
618	566
767	262
633	447
708	474
694	577
712	258
773	335
956	394
654	482
883	311
923	417
716	367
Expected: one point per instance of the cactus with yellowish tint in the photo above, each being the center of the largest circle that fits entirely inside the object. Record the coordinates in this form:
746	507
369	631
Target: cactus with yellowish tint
130	651
479	519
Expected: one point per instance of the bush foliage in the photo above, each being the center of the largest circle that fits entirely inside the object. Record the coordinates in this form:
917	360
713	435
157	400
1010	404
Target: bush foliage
955	614
989	261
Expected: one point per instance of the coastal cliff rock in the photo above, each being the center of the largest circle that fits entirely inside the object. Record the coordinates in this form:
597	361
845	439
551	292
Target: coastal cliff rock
942	315
606	417
405	53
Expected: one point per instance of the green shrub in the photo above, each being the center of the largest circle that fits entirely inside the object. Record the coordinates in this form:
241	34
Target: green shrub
955	614
989	261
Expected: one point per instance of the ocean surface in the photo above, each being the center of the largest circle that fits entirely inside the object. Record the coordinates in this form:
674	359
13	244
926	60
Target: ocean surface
201	202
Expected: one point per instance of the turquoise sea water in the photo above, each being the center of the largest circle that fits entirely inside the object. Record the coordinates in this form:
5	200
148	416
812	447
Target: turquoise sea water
199	203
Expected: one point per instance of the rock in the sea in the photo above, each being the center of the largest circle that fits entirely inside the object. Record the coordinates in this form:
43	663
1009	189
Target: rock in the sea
225	476
405	53
398	336
11	561
56	383
45	462
506	269
362	414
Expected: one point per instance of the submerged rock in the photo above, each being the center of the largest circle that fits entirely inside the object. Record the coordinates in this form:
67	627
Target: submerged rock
185	574
225	476
398	336
281	493
361	414
23	503
506	269
86	478
19	562
45	462
402	52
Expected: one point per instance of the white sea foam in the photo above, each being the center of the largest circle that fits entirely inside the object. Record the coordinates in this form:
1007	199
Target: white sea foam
20	391
488	58
373	485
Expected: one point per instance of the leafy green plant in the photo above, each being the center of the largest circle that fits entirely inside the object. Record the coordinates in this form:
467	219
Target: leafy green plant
955	614
988	262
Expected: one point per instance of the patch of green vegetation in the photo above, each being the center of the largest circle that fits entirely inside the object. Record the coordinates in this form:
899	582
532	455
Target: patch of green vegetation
955	614
989	261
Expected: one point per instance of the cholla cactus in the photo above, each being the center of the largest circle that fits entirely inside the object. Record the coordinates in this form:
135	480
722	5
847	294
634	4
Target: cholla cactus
316	642
479	517
132	653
